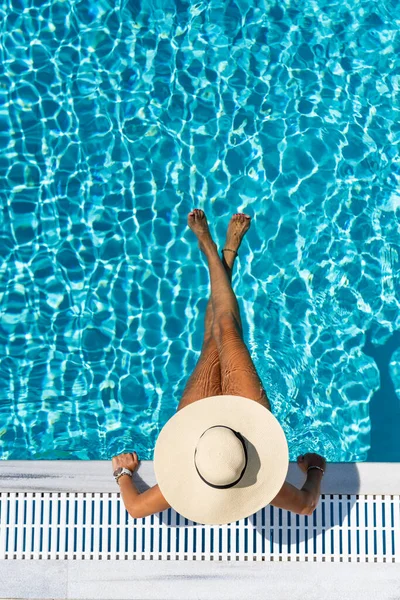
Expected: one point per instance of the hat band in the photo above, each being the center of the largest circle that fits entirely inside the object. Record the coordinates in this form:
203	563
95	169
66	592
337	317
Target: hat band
224	487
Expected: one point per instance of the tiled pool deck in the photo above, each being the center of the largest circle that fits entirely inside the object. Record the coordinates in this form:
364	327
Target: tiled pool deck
65	534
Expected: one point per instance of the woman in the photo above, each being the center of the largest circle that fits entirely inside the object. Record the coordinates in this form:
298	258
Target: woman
224	369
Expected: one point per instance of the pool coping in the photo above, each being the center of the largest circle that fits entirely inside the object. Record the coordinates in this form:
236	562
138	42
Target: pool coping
96	476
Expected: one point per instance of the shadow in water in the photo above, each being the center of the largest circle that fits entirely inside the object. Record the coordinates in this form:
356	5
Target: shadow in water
384	405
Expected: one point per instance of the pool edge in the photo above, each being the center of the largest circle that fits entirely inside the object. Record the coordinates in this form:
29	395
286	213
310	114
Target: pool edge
96	476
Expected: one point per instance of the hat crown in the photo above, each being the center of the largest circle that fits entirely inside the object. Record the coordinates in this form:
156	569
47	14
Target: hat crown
220	457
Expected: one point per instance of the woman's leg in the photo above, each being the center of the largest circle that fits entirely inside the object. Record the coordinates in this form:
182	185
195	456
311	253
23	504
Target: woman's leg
206	378
238	373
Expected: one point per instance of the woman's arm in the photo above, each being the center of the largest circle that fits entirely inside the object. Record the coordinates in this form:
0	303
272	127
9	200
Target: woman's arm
142	504
129	492
301	502
293	499
312	487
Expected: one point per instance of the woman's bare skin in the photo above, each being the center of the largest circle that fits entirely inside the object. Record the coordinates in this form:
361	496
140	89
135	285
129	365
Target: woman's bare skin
225	365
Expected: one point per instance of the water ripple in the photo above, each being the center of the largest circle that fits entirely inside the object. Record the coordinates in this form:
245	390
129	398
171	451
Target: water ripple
116	119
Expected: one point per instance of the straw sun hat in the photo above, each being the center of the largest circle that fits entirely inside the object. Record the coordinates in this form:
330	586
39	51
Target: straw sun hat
221	459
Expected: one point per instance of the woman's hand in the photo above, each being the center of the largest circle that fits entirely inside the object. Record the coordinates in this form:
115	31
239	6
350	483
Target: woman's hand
311	460
129	461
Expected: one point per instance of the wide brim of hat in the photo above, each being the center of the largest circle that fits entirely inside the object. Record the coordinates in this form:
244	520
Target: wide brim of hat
267	467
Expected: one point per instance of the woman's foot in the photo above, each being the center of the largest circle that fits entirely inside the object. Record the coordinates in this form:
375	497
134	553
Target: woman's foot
238	225
197	222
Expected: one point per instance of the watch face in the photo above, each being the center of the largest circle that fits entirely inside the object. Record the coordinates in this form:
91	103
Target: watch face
118	471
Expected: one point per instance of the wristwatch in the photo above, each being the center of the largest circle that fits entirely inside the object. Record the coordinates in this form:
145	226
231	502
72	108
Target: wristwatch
121	471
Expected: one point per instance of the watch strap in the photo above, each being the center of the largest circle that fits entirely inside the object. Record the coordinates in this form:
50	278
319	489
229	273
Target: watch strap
121	471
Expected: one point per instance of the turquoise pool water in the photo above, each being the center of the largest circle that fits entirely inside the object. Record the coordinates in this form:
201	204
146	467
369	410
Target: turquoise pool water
116	119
